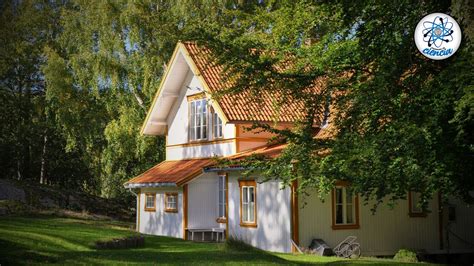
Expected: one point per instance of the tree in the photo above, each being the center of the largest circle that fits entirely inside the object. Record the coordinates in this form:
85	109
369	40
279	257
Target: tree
105	70
403	121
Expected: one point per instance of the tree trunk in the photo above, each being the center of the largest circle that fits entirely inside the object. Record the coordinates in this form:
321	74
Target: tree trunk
18	172
138	97
43	160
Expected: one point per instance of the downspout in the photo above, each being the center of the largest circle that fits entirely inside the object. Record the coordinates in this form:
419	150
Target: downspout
137	219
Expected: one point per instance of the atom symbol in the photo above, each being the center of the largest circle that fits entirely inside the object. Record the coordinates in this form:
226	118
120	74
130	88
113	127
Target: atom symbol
437	33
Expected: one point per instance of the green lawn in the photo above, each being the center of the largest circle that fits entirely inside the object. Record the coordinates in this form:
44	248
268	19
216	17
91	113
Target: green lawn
42	240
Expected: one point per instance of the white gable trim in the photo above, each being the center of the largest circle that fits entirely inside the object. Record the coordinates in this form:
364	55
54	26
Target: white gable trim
156	120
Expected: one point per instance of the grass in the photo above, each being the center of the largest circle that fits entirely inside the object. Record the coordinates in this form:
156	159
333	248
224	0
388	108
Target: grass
42	240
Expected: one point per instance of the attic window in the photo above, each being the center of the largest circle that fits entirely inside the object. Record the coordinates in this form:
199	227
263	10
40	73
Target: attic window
198	120
217	125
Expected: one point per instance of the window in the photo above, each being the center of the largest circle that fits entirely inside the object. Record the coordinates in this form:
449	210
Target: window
198	120
414	201
171	202
150	202
217	126
345	208
248	199
222	201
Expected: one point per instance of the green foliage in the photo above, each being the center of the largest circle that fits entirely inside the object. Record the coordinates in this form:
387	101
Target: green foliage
104	71
405	255
79	87
403	121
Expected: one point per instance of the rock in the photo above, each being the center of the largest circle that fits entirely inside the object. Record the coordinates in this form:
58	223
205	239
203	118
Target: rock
9	191
48	203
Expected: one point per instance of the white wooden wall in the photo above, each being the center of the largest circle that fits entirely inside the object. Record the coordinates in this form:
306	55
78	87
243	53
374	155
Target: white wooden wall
462	227
202	202
160	222
381	234
200	151
273	232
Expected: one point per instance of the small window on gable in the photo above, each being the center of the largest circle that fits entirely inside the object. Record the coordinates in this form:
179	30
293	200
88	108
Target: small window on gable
217	126
150	202
345	208
171	202
198	119
248	203
414	203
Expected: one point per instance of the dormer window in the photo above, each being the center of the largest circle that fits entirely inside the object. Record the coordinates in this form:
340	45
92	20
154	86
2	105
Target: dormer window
198	120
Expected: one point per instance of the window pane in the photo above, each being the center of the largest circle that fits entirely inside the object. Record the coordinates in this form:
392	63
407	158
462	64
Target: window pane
149	201
192	123
244	212
339	214
221	192
192	129
338	195
220	126
198	132
221	182
350	214
348	197
221	197
415	201
251	194
245	194
251	212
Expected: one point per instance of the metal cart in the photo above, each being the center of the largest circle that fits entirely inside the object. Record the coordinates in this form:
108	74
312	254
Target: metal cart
348	248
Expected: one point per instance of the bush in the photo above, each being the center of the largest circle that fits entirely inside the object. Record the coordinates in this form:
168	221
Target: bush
121	243
235	244
406	255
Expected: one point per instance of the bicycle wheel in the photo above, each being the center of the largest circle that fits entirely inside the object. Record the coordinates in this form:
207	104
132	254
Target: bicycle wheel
345	250
355	251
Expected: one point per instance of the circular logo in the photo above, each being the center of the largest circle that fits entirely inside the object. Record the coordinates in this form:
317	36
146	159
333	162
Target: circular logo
437	36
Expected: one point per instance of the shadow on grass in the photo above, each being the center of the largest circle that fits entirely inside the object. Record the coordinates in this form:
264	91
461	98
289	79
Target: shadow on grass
66	241
12	253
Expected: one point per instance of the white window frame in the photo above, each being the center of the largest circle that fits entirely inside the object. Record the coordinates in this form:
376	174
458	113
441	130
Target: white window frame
198	120
217	126
150	201
171	205
221	194
248	207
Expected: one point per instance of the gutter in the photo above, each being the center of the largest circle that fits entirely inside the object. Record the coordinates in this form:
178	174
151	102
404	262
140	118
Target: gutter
131	191
223	169
151	184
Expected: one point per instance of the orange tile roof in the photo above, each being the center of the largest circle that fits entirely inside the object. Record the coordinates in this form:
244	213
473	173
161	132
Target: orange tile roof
183	171
239	106
269	151
176	172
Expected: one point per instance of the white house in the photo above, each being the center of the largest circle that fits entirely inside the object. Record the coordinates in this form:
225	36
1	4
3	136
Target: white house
185	197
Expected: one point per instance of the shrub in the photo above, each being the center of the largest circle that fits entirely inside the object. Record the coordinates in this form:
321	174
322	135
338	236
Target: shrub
235	244
406	255
121	243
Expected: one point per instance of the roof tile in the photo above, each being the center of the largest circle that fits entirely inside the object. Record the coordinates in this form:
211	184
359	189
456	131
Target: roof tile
240	106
